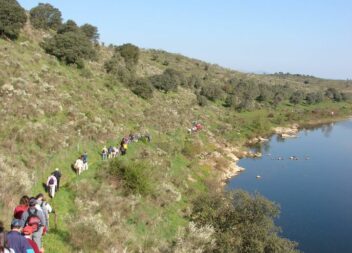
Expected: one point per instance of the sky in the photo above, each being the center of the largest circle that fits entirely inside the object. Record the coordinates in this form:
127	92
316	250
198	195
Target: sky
312	37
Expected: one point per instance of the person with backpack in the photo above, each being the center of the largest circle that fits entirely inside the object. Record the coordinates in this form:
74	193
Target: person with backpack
58	175
104	153
85	161
15	240
21	208
34	218
27	232
51	184
46	209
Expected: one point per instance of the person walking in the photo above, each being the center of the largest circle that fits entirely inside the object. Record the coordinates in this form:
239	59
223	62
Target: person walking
15	240
22	207
3	240
58	175
51	184
34	218
85	160
27	232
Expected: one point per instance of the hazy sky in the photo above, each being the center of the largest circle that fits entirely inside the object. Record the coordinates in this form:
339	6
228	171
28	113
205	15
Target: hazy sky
297	36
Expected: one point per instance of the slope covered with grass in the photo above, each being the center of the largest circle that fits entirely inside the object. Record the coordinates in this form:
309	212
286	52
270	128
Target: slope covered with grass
144	202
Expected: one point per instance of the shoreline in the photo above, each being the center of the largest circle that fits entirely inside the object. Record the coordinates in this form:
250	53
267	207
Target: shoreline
290	131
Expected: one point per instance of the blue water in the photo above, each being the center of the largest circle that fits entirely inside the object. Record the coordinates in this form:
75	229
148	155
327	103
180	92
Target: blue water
315	194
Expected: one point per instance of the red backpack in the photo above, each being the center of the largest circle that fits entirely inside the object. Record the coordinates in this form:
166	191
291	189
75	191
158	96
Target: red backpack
33	220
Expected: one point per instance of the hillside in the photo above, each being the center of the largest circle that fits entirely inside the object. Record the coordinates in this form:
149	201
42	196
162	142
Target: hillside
158	197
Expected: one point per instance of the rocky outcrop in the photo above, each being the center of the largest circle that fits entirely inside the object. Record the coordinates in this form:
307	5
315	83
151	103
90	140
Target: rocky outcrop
287	132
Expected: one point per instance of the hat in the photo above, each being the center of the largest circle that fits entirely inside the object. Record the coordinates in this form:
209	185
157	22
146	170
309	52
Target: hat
57	169
32	202
27	230
16	223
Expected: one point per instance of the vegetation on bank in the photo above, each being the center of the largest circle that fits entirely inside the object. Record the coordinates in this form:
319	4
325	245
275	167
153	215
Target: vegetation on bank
67	94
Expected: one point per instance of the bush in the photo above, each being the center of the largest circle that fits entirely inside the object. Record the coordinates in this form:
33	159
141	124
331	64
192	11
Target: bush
130	54
45	16
297	97
212	92
12	18
143	89
132	174
168	81
70	48
201	100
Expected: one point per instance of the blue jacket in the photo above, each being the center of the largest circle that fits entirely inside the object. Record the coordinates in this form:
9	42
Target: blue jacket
18	243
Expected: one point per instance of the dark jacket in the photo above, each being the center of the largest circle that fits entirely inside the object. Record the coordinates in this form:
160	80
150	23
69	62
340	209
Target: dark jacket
18	243
57	174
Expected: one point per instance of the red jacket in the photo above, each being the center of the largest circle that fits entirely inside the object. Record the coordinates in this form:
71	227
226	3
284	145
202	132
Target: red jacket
19	210
33	245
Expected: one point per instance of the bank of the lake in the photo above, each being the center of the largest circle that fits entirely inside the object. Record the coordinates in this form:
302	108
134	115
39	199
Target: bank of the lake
313	191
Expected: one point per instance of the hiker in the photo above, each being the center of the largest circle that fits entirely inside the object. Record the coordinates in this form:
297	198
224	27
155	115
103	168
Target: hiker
115	152
15	240
104	153
78	166
147	137
85	160
34	218
58	175
45	207
110	150
51	184
21	208
27	232
3	240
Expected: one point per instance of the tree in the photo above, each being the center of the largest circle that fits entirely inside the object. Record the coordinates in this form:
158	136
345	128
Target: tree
130	54
45	16
70	48
91	32
169	80
69	26
12	18
242	223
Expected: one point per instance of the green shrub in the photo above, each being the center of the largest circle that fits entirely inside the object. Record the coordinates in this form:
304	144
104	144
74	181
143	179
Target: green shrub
70	47
169	80
201	100
12	18
134	176
130	54
212	92
143	88
297	97
45	16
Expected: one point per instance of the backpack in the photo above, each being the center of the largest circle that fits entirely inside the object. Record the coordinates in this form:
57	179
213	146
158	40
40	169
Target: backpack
51	181
33	220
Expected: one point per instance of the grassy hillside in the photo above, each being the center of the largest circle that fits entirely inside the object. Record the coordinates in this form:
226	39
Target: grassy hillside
51	112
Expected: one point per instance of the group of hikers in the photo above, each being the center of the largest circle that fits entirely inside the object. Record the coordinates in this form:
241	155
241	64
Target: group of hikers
31	217
114	151
29	224
81	164
196	126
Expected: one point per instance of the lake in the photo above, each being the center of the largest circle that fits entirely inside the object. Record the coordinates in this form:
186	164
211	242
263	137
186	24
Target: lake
314	192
